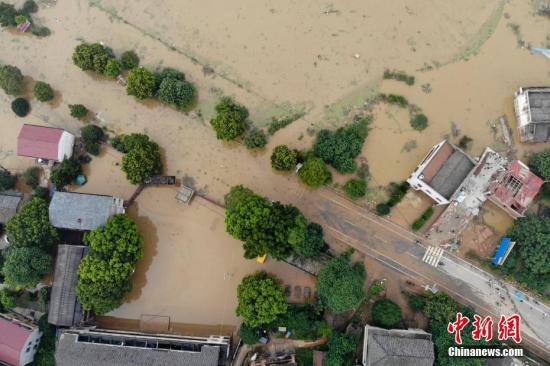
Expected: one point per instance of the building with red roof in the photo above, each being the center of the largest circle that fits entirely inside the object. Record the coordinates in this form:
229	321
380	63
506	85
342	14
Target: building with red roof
18	341
45	143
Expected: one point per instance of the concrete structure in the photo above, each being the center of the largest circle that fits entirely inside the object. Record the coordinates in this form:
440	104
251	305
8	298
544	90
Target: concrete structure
397	347
65	309
441	172
514	189
9	203
45	143
82	211
18	341
532	106
114	348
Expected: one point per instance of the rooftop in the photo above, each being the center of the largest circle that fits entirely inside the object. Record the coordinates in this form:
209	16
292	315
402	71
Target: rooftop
39	141
539	105
13	336
396	347
8	205
104	348
64	308
82	211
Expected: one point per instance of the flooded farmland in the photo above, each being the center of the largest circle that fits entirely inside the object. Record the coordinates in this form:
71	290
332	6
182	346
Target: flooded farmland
276	58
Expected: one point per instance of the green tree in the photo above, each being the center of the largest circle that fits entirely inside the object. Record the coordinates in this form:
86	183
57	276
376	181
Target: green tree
91	56
386	314
105	273
177	93
261	299
8	300
29	7
7	15
339	148
255	139
78	111
340	284
382	209
314	172
416	302
540	163
340	350
419	122
141	83
11	80
355	188
248	334
65	172
20	106
142	161
113	68
170	73
441	307
91	133
30	227
306	239
282	158
129	60
31	176
42	91
7	180
229	122
25	266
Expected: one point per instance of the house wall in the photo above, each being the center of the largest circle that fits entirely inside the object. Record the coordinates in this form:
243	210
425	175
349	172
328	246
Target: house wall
29	350
65	146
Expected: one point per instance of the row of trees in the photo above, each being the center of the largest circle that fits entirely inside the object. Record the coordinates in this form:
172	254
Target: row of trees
169	85
142	157
105	273
32	237
268	227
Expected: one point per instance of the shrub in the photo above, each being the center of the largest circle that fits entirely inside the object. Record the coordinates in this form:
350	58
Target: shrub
382	209
540	164
25	266
397	191
416	302
117	143
20	19
419	122
78	111
8	300
113	68
31	176
11	80
142	161
7	180
29	7
92	57
255	139
399	75
417	225
283	158
229	122
386	313
92	148
7	15
398	100
91	133
40	31
41	192
44	297
248	334
65	173
42	91
355	188
170	73
141	83
314	172
129	60
465	142
376	288
20	106
177	93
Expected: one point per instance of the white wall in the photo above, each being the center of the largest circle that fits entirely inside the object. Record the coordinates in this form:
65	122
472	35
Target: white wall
31	345
65	146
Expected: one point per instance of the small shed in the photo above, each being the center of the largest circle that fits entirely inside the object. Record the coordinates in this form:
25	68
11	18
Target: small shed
45	143
65	309
9	203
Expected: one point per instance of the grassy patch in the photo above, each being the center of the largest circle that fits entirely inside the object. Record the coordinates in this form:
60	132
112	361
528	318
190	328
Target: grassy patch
400	76
278	123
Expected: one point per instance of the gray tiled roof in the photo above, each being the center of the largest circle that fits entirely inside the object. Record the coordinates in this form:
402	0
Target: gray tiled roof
8	205
64	308
80	211
398	347
69	352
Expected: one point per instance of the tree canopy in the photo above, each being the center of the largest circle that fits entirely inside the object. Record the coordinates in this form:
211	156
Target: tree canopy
306	239
113	68
7	15
7	180
340	284
339	148
42	91
230	120
20	106
142	159
65	172
540	163
30	227
141	83
91	56
177	93
386	313
78	110
355	188
105	273
255	139
282	158
25	266
129	60
340	350
314	172
261	299
11	80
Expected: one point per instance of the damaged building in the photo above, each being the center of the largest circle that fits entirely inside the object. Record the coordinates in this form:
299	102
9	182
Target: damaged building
532	106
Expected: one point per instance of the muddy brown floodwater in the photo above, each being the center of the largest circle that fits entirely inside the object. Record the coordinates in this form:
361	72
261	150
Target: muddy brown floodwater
276	58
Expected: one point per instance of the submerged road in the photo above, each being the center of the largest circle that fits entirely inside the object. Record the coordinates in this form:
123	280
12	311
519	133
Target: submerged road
398	249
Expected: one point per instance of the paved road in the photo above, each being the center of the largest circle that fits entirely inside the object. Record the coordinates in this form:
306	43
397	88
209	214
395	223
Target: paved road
397	248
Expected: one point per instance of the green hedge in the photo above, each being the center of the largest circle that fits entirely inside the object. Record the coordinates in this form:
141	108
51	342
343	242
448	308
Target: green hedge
422	219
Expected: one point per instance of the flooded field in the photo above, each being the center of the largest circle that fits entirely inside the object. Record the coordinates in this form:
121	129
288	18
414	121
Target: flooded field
276	58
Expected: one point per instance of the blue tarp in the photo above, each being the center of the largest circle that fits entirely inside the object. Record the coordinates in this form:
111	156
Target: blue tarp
501	251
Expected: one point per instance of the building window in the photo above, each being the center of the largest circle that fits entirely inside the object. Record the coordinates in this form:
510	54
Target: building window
28	349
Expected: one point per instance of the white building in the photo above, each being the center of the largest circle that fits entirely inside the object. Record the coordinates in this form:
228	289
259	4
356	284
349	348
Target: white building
18	341
532	106
47	143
